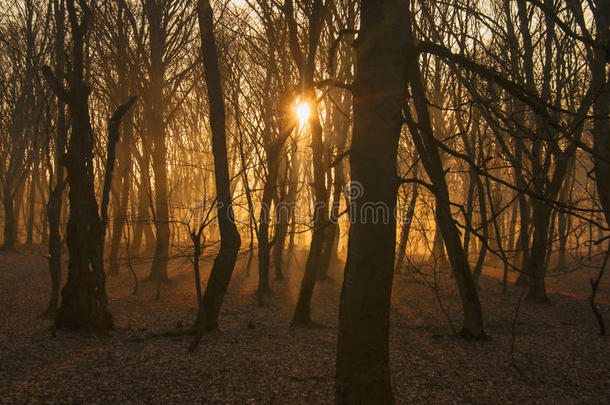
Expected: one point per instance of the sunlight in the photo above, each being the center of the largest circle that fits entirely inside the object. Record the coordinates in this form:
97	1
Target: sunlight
303	112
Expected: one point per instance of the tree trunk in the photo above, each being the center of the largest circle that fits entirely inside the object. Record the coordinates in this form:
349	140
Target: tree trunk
155	108
264	245
362	371
438	248
284	215
224	263
302	311
57	185
601	107
158	271
406	227
537	257
124	150
428	152
332	230
142	229
54	214
120	218
84	301
32	204
10	221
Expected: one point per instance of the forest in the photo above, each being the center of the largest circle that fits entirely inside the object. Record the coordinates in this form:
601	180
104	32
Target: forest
304	201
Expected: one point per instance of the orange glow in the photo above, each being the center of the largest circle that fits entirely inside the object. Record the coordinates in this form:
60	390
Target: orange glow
303	112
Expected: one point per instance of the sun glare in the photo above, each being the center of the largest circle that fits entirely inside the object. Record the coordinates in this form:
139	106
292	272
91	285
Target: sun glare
303	112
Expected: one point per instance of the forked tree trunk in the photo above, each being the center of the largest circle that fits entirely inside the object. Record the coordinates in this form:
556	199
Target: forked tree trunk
273	148
84	301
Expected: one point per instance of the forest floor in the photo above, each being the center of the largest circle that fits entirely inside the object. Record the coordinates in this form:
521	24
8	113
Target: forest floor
558	355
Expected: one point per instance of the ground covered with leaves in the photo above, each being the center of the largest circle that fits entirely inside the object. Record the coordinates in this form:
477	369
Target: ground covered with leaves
549	353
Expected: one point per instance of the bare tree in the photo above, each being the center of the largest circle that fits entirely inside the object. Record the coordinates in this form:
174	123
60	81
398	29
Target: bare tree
363	373
84	300
224	263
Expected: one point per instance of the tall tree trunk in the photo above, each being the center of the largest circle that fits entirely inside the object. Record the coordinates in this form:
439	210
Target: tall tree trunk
469	212
284	215
273	148
524	224
224	263
120	218
302	312
32	203
264	244
84	300
57	184
332	230
478	268
438	247
537	257
424	141
124	152
363	372
156	132
142	229
10	221
54	214
406	226
601	107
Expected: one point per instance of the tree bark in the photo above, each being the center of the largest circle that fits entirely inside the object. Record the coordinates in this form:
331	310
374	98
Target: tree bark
224	263
10	221
84	300
32	203
155	107
406	226
302	311
601	107
124	149
362	371
57	185
285	214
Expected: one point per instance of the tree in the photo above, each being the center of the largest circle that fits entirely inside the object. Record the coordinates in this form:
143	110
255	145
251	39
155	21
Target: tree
363	373
24	45
224	263
84	300
302	311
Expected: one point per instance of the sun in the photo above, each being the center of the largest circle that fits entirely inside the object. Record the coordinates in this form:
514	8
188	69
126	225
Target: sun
303	112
